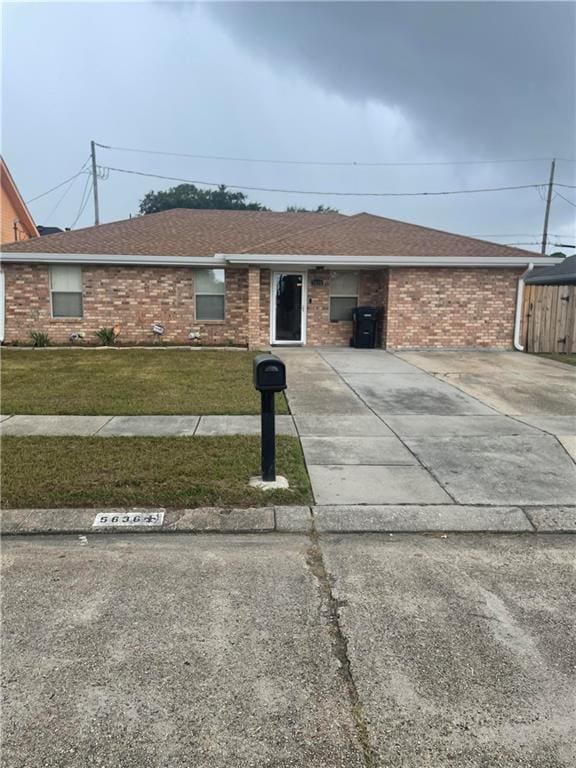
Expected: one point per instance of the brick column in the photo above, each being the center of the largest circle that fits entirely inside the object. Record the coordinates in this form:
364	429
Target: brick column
253	307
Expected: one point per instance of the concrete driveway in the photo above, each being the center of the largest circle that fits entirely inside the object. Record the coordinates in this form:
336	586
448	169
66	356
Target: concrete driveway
270	651
462	428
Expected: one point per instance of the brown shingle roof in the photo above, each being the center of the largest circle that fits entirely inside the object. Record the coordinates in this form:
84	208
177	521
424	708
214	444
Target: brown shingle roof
186	232
367	235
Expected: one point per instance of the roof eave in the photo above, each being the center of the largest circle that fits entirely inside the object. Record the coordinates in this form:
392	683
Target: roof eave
387	261
284	260
133	260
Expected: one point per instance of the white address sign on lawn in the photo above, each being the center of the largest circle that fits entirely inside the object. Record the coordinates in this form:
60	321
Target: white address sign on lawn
142	517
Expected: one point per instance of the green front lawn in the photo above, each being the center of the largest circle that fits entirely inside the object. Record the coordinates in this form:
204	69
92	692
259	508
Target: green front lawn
177	472
129	382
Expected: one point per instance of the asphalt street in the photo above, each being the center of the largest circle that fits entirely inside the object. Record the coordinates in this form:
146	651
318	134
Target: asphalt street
174	650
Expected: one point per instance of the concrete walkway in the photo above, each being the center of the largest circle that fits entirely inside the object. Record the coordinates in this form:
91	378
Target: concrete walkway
139	426
379	430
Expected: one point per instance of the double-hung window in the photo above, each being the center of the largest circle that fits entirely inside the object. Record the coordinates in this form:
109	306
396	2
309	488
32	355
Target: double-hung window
343	295
66	290
210	287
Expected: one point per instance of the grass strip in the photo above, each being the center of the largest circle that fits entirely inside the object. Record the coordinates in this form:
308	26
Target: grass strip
569	359
129	382
173	472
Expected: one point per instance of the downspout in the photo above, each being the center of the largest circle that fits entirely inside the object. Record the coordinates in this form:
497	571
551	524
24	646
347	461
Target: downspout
519	303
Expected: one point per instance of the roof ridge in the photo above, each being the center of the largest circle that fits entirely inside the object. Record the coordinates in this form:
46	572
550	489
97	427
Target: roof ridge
298	232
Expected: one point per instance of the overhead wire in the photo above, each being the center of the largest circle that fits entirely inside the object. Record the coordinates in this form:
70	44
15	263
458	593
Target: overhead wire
318	192
60	199
558	194
84	199
352	163
53	189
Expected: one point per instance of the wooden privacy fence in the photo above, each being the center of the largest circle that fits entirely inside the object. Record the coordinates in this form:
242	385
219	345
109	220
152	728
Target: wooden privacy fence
549	319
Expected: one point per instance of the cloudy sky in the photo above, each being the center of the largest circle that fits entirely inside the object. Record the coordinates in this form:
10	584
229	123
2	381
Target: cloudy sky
388	83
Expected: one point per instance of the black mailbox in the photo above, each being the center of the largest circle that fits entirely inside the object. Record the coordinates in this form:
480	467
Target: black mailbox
269	378
269	373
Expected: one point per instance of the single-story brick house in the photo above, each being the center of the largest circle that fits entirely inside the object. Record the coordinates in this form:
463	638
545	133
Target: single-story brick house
258	278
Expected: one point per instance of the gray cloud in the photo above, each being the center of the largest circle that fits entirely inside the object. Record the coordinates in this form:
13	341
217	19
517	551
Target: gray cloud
495	77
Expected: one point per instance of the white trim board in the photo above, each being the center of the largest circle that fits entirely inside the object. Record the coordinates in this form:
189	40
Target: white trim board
282	261
274	275
116	259
387	261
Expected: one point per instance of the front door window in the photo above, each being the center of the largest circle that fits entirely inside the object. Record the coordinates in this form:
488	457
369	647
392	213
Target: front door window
288	321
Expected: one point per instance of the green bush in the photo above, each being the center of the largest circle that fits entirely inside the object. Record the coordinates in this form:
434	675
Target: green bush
107	336
39	339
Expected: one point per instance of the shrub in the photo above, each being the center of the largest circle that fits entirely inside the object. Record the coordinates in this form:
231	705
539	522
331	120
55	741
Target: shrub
107	336
39	339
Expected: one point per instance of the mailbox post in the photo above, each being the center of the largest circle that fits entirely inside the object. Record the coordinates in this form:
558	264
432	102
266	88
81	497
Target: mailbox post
269	378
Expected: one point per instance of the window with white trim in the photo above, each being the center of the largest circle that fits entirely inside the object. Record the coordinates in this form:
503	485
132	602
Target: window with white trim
210	288
66	290
343	295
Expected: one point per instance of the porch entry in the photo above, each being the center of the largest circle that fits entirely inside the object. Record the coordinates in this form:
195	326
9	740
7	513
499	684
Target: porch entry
288	308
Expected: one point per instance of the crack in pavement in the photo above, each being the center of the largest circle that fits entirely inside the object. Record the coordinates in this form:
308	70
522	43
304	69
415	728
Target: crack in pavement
331	609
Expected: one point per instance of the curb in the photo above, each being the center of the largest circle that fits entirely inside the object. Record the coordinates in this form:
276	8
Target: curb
156	520
440	518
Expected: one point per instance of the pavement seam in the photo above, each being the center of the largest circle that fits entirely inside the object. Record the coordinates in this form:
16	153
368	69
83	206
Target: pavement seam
529	518
331	606
420	463
102	427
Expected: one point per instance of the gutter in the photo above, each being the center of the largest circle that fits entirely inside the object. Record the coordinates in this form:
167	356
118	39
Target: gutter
111	258
311	261
278	261
519	303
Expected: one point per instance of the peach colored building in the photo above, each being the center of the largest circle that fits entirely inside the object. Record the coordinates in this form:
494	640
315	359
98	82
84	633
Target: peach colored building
17	223
259	278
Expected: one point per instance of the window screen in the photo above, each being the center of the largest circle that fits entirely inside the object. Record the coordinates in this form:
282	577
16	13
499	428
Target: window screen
66	290
343	295
210	289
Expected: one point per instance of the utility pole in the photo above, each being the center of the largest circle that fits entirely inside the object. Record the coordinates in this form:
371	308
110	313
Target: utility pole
95	183
548	203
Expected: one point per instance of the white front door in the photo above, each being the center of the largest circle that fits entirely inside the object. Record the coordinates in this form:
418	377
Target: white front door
288	308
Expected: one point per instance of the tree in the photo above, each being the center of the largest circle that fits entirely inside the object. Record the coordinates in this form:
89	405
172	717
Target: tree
190	196
319	209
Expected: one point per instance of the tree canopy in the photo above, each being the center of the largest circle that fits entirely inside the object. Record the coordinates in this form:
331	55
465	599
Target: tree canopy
319	209
190	196
222	199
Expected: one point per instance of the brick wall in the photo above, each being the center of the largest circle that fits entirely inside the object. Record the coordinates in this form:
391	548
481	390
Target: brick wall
132	297
372	289
451	308
425	307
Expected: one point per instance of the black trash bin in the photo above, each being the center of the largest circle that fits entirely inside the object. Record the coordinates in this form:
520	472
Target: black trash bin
364	327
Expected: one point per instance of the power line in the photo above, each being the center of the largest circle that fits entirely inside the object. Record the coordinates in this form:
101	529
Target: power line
53	189
566	200
316	192
327	162
84	199
61	198
514	234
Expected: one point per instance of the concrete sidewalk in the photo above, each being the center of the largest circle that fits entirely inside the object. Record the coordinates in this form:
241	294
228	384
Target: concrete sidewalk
139	426
337	652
